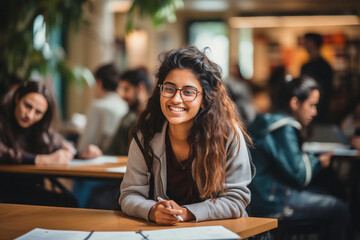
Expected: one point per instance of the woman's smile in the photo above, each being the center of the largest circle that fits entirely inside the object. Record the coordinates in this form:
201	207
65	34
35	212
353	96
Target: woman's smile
177	109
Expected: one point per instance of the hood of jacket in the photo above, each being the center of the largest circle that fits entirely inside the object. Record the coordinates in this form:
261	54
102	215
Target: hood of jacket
265	123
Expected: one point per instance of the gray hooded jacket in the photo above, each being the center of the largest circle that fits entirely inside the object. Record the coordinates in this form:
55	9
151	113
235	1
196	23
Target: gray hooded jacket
134	199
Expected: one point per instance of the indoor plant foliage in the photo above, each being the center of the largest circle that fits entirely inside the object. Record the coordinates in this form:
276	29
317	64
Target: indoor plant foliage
18	53
159	11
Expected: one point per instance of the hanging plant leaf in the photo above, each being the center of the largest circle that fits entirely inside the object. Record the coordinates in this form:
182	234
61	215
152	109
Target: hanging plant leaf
159	11
17	53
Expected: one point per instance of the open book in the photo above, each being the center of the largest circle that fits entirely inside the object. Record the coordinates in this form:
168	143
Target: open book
191	233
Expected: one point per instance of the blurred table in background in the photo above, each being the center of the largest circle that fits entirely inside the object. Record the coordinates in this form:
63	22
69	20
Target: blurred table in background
91	169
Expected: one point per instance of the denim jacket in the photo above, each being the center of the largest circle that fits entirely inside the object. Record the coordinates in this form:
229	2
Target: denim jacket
280	163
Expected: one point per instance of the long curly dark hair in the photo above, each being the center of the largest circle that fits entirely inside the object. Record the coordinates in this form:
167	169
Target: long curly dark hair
214	124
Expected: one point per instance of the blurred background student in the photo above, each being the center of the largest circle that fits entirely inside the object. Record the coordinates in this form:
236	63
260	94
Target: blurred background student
28	136
105	113
284	171
240	93
103	119
320	70
135	87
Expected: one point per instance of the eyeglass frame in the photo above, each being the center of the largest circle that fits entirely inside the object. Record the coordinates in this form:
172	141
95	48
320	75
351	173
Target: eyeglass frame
179	89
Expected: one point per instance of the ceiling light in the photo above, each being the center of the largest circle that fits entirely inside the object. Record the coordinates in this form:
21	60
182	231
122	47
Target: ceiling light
293	21
120	6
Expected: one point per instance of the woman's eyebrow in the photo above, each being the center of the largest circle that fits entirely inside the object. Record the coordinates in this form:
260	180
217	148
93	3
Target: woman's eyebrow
191	86
29	103
171	83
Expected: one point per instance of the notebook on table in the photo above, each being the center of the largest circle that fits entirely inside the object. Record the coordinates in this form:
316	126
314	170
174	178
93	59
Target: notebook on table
190	233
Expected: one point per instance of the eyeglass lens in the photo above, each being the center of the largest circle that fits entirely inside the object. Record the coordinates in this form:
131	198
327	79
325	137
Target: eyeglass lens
188	94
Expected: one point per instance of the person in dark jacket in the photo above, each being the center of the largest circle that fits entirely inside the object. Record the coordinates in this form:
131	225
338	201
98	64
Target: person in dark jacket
284	170
319	69
135	88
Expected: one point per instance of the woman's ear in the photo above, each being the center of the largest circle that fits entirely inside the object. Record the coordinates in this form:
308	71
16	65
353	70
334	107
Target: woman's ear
294	103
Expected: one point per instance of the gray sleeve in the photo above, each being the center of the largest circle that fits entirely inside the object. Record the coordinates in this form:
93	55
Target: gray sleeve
233	202
135	185
92	129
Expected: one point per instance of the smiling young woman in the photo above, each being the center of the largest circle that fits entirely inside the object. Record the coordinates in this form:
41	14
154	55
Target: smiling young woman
195	143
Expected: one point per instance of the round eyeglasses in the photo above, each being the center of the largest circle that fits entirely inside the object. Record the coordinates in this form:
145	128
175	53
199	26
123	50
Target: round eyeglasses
188	94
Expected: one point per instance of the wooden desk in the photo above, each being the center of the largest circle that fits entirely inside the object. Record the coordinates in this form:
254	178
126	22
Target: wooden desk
16	220
89	171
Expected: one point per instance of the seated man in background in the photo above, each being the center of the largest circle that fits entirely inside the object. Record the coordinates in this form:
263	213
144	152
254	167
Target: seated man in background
103	119
135	87
284	170
105	113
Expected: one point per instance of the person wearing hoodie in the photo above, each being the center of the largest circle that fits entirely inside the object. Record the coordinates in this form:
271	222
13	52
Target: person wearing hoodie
189	153
284	170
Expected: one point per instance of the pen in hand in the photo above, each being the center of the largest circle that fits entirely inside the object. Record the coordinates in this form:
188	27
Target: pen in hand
177	216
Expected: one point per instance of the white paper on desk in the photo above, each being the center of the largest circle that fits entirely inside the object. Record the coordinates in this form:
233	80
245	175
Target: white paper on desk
191	233
324	147
117	169
95	161
39	233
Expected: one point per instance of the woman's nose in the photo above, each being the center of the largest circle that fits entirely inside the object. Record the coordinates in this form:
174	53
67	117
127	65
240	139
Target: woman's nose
177	97
315	112
30	114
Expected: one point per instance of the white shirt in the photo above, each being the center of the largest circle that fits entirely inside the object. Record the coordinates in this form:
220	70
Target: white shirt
103	118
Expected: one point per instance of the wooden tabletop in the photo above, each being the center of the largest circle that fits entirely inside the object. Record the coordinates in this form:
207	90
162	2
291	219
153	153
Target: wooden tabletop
16	220
88	171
